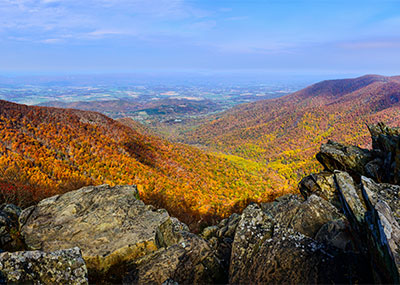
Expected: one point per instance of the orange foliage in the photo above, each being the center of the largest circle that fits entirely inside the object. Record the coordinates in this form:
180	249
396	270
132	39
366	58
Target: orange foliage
284	134
46	151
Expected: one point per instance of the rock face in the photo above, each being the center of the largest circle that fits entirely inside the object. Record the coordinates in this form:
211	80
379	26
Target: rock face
372	221
386	141
320	184
345	230
108	224
382	163
190	261
9	215
371	208
59	267
341	157
272	245
113	229
220	238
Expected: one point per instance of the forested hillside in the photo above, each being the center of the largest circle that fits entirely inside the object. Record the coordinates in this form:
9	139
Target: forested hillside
45	151
253	152
284	134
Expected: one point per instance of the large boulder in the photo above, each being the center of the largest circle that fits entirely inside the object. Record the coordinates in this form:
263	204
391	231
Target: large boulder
382	163
336	156
321	184
254	227
190	261
274	243
305	217
121	238
386	142
374	225
60	267
109	224
9	235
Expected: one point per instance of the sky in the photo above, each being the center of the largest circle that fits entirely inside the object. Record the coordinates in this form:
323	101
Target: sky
118	36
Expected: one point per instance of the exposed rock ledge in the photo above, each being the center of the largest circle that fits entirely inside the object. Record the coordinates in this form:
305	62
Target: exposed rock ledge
344	228
115	230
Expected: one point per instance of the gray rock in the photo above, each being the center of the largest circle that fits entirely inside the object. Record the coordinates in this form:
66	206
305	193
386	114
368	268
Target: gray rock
337	234
253	229
382	163
38	267
209	232
227	228
386	143
170	232
312	215
335	156
321	184
386	192
265	251
374	170
305	217
121	238
373	224
220	238
9	215
283	209
108	223
354	206
191	261
386	243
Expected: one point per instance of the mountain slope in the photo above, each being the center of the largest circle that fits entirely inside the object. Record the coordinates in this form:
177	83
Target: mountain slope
45	151
285	133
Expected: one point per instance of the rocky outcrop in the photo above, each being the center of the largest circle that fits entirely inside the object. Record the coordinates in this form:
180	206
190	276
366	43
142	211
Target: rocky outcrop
335	156
220	238
38	267
115	230
305	217
277	243
9	235
382	163
346	229
108	224
320	184
373	224
371	208
386	141
190	261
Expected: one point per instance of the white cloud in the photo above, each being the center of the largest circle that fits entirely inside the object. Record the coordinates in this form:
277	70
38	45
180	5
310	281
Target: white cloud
90	19
51	41
100	33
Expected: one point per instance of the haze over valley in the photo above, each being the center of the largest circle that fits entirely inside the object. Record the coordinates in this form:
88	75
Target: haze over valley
199	142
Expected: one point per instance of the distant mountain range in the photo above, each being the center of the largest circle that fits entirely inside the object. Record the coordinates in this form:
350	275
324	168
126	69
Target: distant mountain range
284	134
252	152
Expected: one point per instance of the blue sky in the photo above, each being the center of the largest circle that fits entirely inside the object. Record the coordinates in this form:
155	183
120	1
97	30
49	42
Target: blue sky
106	36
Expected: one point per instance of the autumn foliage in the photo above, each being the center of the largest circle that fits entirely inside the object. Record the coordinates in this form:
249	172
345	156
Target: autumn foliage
283	135
46	151
254	152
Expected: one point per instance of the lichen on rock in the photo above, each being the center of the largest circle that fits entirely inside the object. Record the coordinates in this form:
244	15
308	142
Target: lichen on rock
59	267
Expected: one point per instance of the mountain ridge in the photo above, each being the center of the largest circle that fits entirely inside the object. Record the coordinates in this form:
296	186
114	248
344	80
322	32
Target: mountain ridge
254	152
284	133
47	151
